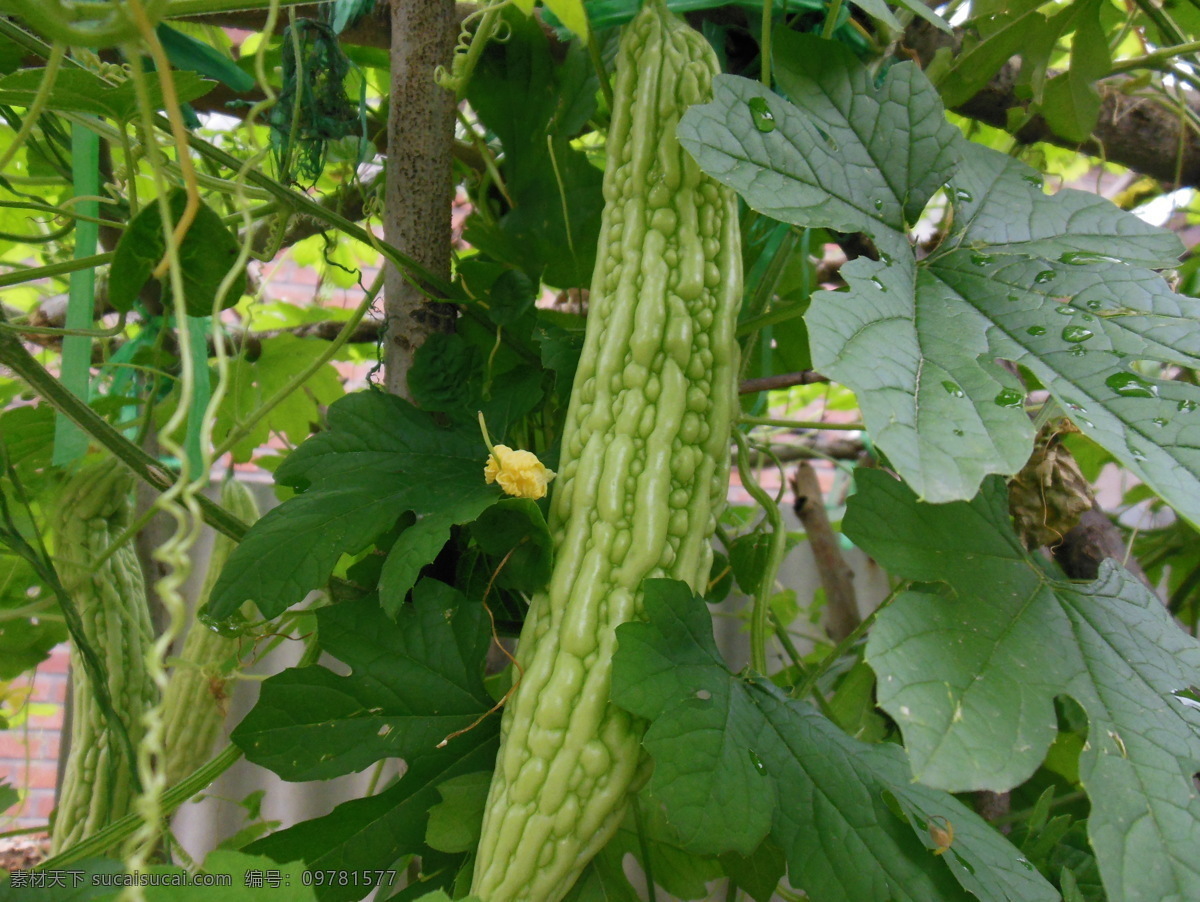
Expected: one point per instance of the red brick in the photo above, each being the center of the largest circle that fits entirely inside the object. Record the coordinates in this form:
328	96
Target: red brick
39	774
34	744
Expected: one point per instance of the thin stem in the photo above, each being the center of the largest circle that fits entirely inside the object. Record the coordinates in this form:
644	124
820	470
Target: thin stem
760	622
251	422
800	424
764	42
598	65
831	17
1154	58
22	363
810	684
21	276
97	843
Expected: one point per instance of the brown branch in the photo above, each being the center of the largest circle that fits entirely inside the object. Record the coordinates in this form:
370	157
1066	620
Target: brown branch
1138	132
782	380
836	576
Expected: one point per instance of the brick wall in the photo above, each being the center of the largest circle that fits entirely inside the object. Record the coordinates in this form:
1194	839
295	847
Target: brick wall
29	753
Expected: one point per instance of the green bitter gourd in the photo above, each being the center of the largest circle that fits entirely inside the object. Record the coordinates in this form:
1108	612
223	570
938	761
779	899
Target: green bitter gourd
98	784
643	473
194	704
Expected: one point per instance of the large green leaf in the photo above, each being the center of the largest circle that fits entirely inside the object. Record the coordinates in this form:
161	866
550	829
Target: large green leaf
379	458
206	255
735	759
413	683
373	833
918	341
971	675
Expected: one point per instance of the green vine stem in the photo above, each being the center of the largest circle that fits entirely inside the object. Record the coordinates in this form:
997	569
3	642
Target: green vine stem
20	276
21	362
810	683
800	424
760	621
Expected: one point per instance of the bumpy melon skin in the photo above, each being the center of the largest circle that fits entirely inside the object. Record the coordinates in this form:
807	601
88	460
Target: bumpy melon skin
195	703
98	780
643	474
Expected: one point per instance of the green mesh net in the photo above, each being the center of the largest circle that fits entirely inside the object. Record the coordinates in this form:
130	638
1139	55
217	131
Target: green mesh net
313	107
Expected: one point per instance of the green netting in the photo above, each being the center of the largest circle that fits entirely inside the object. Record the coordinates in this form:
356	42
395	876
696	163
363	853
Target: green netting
313	107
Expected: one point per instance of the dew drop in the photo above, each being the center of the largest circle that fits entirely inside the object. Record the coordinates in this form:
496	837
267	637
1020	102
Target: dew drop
1077	333
1137	454
1009	397
1082	258
757	761
1012	298
1131	385
878	204
952	389
1077	350
760	113
1046	275
1159	422
982	259
963	195
877	283
1033	180
1066	310
1025	864
1094	305
885	259
958	432
1186	406
1036	330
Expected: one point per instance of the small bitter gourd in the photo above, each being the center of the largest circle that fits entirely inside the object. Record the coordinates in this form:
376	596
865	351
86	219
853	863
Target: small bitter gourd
195	702
643	471
98	779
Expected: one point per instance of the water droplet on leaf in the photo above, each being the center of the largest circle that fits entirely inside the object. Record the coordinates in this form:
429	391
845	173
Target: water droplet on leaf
952	389
982	259
878	204
1094	305
1077	333
1077	350
757	761
1012	298
1036	330
1131	385
1186	406
1009	397
761	115
1159	422
1066	310
1046	275
963	195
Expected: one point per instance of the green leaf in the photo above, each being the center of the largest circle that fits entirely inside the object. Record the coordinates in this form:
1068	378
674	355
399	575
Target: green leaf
1071	102
759	873
446	374
457	820
999	38
971	676
534	106
735	760
80	91
515	528
252	383
413	683
603	880
379	458
8	797
831	160
206	255
917	342
373	833
186	53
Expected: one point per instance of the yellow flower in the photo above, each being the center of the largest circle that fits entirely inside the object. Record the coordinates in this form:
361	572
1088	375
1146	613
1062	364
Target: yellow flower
519	473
